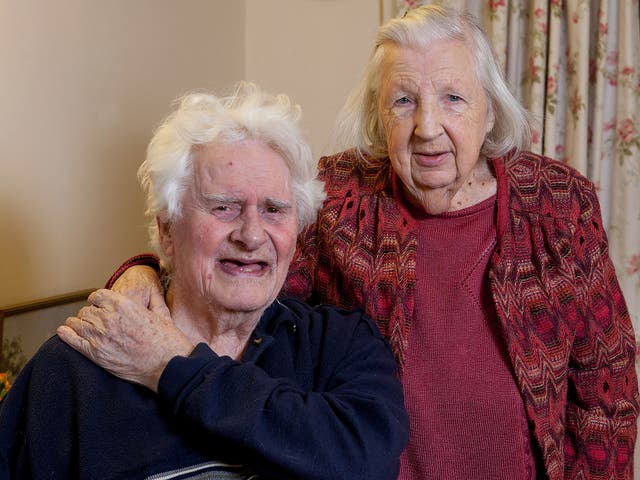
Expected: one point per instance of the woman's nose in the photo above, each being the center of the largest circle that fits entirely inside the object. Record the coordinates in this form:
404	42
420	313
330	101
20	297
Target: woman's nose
250	230
428	121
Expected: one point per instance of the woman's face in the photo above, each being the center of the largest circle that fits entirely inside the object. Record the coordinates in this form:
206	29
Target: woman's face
436	116
236	236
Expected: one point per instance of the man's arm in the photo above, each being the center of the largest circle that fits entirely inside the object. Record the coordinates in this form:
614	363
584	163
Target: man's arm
125	338
353	426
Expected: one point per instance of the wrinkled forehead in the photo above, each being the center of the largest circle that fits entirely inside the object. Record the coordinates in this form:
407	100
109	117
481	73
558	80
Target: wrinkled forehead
421	30
241	168
422	35
443	58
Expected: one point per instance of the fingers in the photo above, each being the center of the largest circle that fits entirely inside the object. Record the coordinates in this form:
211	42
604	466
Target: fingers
151	296
102	298
89	322
74	327
138	283
68	335
157	303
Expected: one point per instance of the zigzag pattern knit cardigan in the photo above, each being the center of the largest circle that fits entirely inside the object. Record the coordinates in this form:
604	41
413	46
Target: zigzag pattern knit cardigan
563	316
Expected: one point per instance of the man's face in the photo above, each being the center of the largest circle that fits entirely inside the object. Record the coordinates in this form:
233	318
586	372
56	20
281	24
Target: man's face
236	237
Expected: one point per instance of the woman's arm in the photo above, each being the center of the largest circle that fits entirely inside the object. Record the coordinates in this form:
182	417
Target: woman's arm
139	279
125	338
602	403
301	276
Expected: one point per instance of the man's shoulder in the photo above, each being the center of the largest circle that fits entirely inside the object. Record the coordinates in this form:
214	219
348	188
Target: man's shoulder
54	351
57	362
47	375
328	318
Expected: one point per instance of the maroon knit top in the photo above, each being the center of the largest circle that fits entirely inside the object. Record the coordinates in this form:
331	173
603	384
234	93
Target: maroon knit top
459	388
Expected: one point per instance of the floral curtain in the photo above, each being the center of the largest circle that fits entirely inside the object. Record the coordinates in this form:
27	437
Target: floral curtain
575	64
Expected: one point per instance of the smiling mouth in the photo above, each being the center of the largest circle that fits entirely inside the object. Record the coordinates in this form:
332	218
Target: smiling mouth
430	159
239	267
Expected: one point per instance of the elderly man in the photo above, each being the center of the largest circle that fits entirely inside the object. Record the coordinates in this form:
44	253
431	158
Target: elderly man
237	384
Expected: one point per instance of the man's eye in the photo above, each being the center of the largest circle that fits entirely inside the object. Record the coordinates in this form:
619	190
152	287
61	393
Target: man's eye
224	211
454	98
273	210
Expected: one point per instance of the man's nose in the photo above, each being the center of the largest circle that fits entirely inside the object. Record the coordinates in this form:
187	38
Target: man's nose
250	230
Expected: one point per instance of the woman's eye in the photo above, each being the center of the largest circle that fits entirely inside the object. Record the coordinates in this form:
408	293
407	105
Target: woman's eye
402	101
454	98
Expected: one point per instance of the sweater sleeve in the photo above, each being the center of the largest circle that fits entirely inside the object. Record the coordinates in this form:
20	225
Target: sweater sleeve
602	404
148	259
312	271
568	331
300	279
353	426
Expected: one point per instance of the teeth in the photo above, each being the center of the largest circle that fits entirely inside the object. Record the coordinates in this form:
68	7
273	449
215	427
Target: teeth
250	268
244	267
240	262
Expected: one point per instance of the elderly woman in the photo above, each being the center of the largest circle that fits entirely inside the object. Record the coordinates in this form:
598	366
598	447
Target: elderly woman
271	387
484	264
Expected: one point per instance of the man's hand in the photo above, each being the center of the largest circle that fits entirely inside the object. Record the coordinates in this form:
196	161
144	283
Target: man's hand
142	285
125	338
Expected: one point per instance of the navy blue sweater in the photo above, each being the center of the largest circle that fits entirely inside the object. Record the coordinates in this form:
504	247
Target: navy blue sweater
314	397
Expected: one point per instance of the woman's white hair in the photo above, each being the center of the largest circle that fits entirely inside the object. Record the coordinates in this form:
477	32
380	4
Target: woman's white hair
359	124
203	119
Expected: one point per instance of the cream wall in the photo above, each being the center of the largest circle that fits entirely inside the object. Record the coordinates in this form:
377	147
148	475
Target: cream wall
82	84
314	50
84	81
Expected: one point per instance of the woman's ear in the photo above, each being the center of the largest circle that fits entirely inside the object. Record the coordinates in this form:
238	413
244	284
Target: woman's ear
166	240
491	118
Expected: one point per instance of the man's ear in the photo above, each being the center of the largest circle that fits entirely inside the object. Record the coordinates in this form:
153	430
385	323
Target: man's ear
166	240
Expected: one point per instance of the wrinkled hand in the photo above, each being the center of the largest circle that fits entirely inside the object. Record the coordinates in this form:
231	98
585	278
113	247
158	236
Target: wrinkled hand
125	338
142	285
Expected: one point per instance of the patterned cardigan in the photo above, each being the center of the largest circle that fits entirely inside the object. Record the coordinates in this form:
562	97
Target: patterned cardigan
563	316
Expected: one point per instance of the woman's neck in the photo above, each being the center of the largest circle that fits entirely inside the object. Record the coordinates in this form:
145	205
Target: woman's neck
476	187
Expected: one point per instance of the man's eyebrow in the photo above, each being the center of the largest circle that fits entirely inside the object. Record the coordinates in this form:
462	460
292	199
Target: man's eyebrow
220	197
274	202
